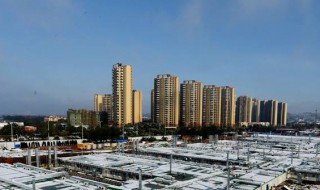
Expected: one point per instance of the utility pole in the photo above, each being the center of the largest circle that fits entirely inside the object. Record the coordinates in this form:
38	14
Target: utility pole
11	132
291	151
228	170
82	132
140	178
48	129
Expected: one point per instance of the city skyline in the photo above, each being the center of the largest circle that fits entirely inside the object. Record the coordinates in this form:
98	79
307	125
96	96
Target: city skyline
49	64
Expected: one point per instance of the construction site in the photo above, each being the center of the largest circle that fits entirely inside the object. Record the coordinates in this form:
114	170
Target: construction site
257	162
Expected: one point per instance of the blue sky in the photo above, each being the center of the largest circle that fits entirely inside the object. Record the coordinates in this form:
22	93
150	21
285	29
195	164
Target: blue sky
56	54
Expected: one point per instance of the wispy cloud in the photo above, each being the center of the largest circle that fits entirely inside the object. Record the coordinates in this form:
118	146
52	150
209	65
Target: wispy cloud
190	18
252	9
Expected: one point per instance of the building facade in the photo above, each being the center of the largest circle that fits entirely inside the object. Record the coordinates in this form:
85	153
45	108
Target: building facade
191	103
228	106
282	113
103	105
122	94
255	110
78	117
269	113
211	106
243	109
137	106
152	106
166	100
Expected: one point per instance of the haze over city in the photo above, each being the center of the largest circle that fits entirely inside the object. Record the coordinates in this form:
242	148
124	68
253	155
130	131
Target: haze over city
57	54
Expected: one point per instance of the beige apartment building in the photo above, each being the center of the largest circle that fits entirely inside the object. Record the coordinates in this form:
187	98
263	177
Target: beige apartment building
244	109
98	102
191	103
282	113
137	106
122	94
103	103
255	110
211	106
228	106
166	100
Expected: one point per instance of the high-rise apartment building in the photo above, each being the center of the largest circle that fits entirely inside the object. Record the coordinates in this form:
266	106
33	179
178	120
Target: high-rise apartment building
191	103
269	113
211	106
255	110
137	106
122	94
243	109
102	102
263	110
98	102
166	100
228	106
152	106
103	105
282	113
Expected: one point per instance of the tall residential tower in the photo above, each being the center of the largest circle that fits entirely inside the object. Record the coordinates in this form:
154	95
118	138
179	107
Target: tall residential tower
255	110
122	94
244	109
103	106
166	100
282	113
211	106
137	106
191	103
228	106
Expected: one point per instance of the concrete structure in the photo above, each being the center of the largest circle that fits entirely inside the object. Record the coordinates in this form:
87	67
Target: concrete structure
74	117
244	109
83	117
137	106
166	100
282	113
191	103
21	176
122	94
228	106
255	110
211	105
258	162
